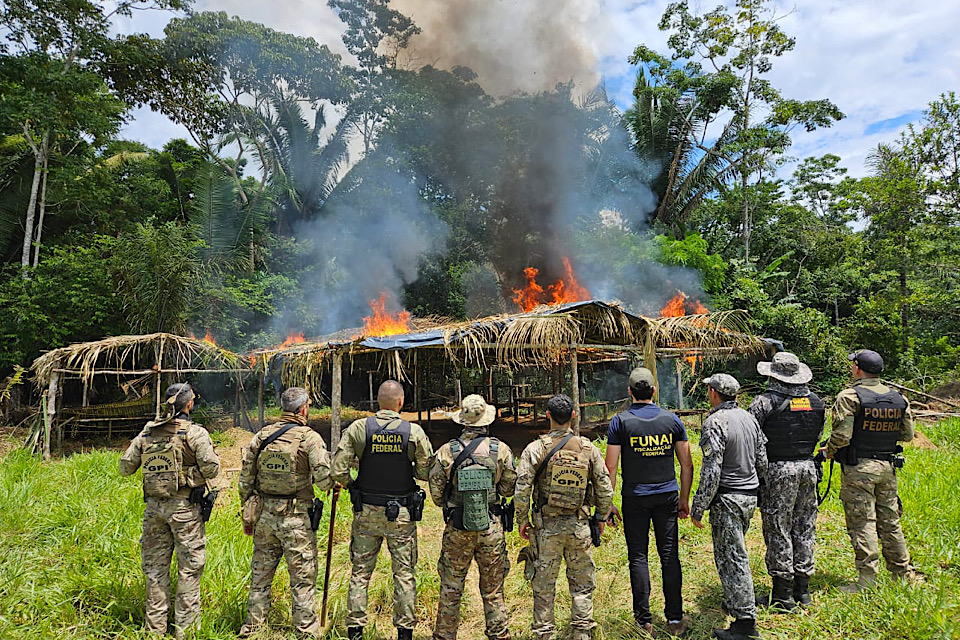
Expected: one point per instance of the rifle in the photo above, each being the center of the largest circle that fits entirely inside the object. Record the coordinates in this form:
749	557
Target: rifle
326	572
819	459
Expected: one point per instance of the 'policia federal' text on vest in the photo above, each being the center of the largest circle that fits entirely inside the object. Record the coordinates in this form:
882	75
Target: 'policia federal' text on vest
473	486
876	427
647	448
169	465
386	468
562	489
283	469
794	427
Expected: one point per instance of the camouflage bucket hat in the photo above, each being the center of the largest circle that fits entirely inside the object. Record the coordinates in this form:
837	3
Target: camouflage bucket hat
723	383
786	367
475	412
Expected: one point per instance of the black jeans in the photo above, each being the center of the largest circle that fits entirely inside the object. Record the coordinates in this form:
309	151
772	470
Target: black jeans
638	512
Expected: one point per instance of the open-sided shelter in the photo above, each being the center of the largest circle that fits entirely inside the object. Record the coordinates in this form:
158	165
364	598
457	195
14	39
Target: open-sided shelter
546	337
140	361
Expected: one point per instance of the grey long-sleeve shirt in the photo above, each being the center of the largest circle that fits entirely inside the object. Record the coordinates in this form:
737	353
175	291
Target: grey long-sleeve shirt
734	455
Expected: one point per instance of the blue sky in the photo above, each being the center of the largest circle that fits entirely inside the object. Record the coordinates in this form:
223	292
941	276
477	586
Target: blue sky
880	61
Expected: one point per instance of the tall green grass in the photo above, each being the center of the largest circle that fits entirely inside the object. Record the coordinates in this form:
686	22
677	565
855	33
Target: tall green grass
70	566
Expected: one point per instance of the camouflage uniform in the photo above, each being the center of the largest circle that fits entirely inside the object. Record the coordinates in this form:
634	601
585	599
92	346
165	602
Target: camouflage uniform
371	527
460	548
788	498
730	512
561	534
283	529
171	521
869	493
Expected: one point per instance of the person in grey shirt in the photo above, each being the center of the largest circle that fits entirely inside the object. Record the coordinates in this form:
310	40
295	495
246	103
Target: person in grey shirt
734	463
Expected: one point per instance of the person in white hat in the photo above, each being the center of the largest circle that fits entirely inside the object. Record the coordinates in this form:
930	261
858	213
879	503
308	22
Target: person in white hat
792	417
467	480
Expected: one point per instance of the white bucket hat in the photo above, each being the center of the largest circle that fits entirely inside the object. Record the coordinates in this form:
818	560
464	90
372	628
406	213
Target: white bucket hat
475	412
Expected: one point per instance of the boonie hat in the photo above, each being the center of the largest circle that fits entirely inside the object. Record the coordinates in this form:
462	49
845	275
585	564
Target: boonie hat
786	367
724	383
642	375
475	412
869	361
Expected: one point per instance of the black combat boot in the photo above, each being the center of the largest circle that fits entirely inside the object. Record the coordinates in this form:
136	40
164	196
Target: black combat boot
780	599
745	629
801	590
404	634
355	633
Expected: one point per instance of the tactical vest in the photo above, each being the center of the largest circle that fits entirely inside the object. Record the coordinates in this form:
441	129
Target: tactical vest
169	465
386	468
283	469
562	489
794	427
876	427
647	448
473	486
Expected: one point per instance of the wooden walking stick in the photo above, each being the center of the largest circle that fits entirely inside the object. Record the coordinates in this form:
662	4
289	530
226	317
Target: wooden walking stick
326	572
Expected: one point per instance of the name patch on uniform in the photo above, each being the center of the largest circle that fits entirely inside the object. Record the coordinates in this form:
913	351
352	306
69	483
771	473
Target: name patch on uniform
158	462
572	477
800	404
386	443
275	461
652	445
474	479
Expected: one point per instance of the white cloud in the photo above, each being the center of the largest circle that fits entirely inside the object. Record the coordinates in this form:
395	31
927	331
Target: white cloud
876	59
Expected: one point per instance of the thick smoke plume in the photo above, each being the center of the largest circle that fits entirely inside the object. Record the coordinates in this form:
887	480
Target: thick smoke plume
512	45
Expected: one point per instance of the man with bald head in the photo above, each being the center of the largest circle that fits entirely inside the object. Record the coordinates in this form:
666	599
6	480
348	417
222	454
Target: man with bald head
387	503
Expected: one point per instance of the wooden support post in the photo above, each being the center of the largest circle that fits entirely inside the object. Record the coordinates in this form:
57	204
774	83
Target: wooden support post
86	393
416	385
335	396
575	381
373	399
51	414
679	386
260	407
459	388
159	377
490	397
236	406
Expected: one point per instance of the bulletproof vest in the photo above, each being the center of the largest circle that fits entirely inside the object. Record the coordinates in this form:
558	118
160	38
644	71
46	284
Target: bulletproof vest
562	489
794	427
385	467
169	465
876	427
647	448
283	469
472	486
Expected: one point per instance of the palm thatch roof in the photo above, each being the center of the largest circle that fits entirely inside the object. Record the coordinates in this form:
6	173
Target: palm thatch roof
537	338
135	355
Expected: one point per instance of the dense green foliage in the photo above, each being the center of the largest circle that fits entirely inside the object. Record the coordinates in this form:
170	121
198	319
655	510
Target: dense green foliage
298	165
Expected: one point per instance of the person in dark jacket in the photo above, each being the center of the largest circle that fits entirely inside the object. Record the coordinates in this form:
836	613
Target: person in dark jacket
792	418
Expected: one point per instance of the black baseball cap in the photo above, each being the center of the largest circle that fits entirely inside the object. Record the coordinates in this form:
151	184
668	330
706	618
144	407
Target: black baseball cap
869	361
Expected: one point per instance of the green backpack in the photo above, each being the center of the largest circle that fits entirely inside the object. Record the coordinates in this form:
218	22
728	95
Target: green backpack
473	487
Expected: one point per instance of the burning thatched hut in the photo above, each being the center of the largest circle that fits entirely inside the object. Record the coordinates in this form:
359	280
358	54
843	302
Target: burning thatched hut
141	364
546	338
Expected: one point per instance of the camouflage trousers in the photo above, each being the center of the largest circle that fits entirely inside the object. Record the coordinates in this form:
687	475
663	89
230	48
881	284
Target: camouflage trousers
458	550
869	497
370	528
563	538
168	524
788	502
730	515
283	531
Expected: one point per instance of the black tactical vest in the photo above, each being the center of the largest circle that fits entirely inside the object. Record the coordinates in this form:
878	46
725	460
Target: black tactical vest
876	428
647	448
794	427
386	468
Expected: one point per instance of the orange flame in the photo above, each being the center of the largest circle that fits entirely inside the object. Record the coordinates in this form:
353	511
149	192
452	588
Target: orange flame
382	323
681	305
208	338
292	339
564	290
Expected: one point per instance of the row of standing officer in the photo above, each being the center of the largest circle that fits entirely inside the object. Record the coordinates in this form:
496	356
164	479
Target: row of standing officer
560	476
